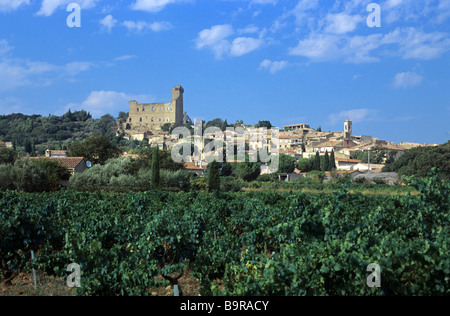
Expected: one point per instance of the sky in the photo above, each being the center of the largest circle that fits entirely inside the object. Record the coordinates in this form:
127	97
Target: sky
382	64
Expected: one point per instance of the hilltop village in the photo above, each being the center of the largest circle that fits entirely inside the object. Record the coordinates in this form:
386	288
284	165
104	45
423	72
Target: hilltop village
155	121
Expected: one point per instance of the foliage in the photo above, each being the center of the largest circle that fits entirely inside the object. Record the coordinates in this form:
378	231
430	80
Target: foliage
127	173
96	149
287	164
247	171
306	164
265	124
419	161
316	175
7	156
29	177
55	172
213	176
53	130
155	180
255	243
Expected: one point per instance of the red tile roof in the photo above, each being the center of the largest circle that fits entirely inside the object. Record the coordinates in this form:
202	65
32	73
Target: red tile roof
67	162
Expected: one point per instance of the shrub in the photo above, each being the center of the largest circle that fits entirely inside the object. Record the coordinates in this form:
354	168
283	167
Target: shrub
270	177
28	177
199	184
230	184
180	179
316	175
6	178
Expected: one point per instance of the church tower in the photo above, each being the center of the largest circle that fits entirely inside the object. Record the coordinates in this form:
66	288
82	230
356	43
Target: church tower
348	130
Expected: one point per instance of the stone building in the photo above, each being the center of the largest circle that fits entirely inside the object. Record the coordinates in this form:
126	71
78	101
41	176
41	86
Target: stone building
152	116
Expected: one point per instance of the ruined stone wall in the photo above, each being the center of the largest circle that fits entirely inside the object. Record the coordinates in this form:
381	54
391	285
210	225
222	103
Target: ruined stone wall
151	116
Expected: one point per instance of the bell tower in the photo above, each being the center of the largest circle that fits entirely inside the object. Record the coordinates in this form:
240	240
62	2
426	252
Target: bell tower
348	130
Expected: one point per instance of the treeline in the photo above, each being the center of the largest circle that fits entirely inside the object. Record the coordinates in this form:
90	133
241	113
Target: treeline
26	132
419	161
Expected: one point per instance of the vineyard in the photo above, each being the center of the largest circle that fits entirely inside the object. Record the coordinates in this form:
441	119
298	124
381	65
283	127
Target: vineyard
240	243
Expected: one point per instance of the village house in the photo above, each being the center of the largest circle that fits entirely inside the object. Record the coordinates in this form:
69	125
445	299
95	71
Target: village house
72	164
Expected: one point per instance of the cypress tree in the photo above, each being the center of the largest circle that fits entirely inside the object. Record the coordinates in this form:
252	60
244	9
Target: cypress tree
155	168
325	162
317	161
213	177
332	163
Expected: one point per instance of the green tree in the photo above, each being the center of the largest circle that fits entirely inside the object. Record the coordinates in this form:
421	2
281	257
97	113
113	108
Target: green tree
155	169
265	124
317	161
332	162
324	164
55	172
247	171
97	149
306	164
287	164
7	156
28	177
213	177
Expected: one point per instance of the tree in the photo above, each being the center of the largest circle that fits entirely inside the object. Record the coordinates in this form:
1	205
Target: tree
155	169
28	177
97	149
332	162
265	124
28	146
213	177
55	172
324	164
419	161
306	164
287	164
7	156
247	171
317	161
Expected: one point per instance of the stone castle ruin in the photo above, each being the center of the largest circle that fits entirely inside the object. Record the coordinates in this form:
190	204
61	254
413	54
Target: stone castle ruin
152	116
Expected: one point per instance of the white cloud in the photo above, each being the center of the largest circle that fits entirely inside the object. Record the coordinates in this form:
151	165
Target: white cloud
152	5
355	115
108	22
342	23
407	80
415	44
48	7
408	43
140	26
11	5
4	47
244	45
216	39
16	72
99	103
273	66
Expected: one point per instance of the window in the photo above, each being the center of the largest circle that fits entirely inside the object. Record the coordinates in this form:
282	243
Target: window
168	109
137	109
153	109
167	119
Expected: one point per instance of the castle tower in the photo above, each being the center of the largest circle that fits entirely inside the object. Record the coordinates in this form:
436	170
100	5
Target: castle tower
152	116
177	102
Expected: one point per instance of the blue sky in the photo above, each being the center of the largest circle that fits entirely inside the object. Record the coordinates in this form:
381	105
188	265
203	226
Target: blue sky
287	61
